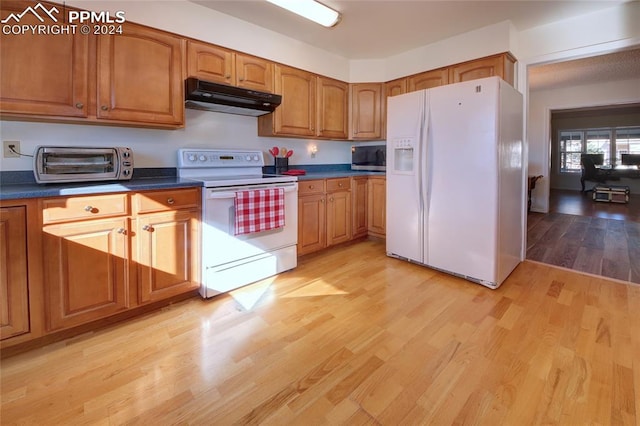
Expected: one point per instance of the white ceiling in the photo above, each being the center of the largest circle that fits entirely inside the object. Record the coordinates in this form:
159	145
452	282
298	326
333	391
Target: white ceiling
372	29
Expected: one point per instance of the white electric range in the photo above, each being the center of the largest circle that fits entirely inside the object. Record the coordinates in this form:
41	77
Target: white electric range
230	261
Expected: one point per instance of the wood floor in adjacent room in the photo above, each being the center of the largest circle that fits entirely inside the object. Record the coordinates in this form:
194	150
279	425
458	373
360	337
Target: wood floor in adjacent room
581	234
352	337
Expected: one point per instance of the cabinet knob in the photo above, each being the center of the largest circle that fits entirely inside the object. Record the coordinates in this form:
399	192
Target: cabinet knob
104	108
88	209
331	199
147	228
227	76
340	185
311	186
170	200
122	231
241	79
79	105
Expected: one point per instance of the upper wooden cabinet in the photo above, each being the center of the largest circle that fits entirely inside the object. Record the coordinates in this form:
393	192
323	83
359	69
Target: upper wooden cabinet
396	87
217	64
428	79
134	78
501	65
140	76
42	74
296	115
366	111
333	103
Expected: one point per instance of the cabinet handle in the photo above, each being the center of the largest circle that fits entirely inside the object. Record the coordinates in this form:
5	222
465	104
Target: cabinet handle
322	200
241	79
79	105
331	199
311	186
104	108
122	231
88	209
227	76
170	200
340	185
147	228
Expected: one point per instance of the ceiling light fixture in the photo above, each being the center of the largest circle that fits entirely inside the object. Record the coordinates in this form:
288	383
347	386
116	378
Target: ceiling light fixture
310	9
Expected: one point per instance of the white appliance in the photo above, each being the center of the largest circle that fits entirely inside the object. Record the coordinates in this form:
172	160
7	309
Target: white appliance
230	261
455	179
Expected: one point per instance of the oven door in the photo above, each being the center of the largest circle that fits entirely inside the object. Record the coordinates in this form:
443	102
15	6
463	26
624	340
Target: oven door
230	261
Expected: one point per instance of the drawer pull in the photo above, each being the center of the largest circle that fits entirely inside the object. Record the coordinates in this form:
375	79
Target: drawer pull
340	185
322	200
89	209
170	200
311	186
104	108
79	105
122	231
331	199
147	228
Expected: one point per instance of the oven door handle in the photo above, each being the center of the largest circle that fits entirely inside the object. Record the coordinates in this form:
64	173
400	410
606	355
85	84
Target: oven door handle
213	194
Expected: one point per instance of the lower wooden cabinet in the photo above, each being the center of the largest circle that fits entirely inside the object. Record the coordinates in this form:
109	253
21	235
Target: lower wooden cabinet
92	257
166	254
334	211
376	206
14	304
86	271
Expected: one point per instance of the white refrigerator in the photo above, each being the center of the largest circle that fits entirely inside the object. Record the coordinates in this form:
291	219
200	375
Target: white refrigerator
456	179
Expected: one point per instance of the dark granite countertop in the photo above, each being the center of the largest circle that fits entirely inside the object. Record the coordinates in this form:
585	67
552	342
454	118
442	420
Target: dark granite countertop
21	184
15	185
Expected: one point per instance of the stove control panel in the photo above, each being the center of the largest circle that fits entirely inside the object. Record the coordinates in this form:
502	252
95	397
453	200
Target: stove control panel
201	158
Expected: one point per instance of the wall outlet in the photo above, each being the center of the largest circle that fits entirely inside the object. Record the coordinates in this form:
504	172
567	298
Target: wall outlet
7	153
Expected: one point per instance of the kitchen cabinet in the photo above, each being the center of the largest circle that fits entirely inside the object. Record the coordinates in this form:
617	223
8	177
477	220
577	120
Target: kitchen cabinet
339	216
359	198
311	216
86	266
134	78
324	214
376	206
167	247
42	74
296	115
333	103
428	79
106	254
217	64
14	303
139	77
366	111
501	65
396	87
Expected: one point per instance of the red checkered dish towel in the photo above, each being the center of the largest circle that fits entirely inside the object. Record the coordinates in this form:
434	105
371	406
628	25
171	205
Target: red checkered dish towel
259	210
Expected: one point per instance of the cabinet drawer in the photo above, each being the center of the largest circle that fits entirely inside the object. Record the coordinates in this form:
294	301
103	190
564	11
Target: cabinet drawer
147	202
340	184
311	187
77	208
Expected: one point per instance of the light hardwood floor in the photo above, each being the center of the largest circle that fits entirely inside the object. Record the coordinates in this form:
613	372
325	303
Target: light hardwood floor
352	337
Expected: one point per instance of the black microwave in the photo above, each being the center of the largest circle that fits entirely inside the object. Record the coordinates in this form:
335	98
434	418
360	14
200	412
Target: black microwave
369	157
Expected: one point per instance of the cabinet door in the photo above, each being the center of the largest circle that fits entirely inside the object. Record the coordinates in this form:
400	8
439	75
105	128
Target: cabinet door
429	79
377	206
396	87
85	271
501	65
167	254
254	73
297	113
42	74
210	62
339	217
359	198
14	304
366	111
333	104
311	223
140	77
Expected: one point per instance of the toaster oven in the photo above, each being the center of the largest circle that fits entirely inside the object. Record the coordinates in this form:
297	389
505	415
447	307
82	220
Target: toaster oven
57	164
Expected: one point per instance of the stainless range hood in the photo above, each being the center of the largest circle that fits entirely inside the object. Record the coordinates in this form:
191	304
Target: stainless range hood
208	96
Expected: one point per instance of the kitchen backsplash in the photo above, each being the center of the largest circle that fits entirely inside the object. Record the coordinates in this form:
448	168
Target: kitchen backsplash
157	148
